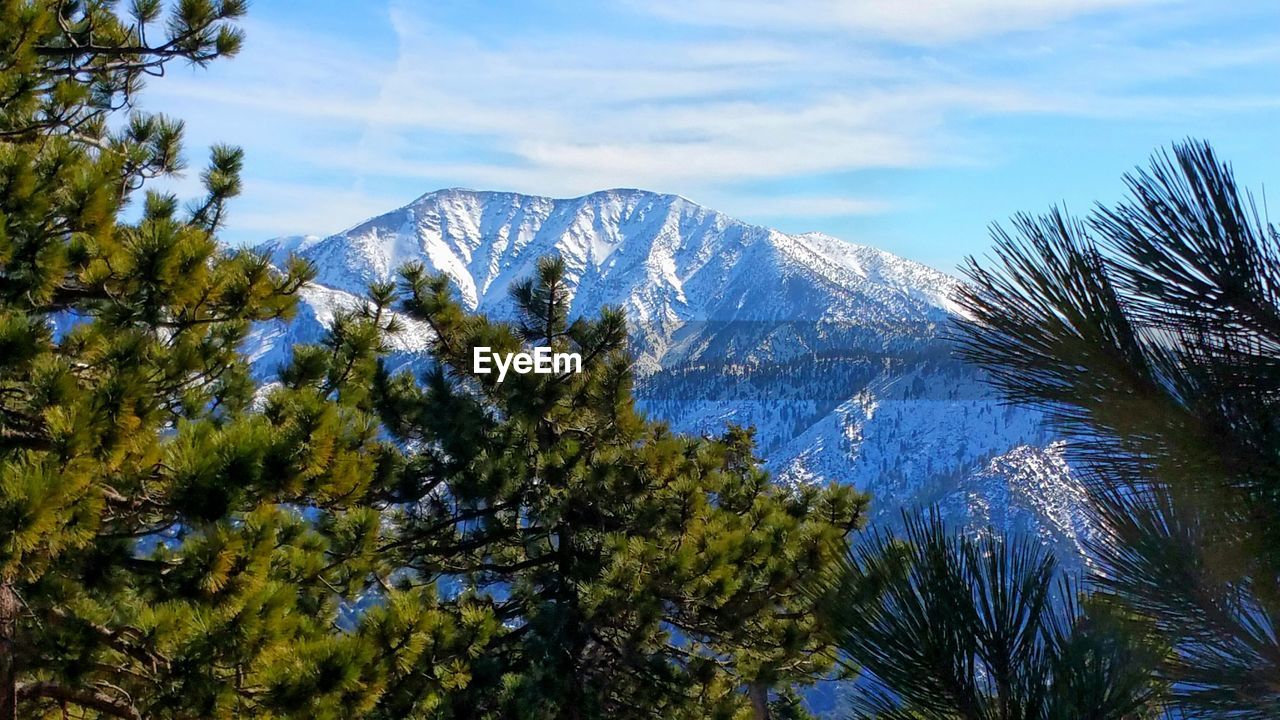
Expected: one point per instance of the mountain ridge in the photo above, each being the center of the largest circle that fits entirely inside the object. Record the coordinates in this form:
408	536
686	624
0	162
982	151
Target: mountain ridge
645	252
835	352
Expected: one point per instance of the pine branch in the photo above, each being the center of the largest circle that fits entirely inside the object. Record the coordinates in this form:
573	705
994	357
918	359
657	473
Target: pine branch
91	699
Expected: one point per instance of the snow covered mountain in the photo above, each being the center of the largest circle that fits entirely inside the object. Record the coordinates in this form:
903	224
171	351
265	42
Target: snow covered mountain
835	352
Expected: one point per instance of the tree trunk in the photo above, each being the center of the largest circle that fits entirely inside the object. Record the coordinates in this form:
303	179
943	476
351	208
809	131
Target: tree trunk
8	652
759	695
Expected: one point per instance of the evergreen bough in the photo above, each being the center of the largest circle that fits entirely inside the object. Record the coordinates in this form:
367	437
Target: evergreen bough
636	573
949	624
173	542
1150	332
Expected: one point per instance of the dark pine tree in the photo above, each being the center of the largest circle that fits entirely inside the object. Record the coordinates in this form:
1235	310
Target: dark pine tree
636	573
954	625
170	545
1151	333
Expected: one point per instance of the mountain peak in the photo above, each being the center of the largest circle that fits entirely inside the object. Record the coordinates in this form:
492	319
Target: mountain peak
831	350
667	261
607	193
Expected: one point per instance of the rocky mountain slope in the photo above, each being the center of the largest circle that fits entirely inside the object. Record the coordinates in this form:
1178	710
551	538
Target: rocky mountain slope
835	352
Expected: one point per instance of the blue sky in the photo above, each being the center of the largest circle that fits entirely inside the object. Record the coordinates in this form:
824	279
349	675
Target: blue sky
908	125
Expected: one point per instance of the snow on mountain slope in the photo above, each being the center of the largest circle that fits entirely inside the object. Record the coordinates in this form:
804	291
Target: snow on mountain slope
936	436
835	352
270	344
668	262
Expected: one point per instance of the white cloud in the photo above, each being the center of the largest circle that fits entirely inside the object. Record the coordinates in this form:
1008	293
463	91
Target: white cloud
924	22
757	91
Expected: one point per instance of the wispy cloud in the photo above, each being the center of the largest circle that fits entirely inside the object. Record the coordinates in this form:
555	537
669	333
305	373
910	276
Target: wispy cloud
736	94
922	22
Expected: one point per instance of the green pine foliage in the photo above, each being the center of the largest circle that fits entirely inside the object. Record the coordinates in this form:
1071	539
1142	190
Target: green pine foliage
949	625
173	543
634	572
1151	331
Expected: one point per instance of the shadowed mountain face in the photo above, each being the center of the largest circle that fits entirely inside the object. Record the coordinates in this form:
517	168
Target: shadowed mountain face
836	353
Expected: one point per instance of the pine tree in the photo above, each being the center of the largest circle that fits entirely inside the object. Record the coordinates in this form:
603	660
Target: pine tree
951	625
1150	332
636	572
172	543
